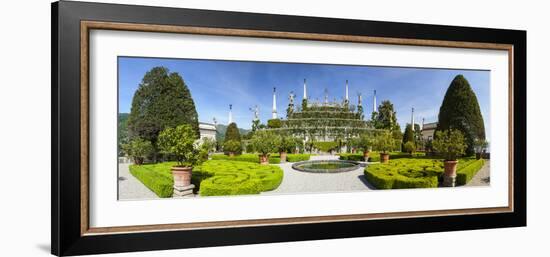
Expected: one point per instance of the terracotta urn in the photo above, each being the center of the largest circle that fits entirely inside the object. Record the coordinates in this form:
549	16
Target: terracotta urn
283	157
449	178
263	159
182	176
384	157
366	155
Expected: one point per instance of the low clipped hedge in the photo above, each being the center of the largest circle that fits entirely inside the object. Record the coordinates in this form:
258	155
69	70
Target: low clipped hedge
273	159
213	177
419	172
375	156
245	158
468	171
156	177
295	157
222	177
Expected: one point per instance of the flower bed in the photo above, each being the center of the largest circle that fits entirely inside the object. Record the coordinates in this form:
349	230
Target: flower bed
420	172
214	177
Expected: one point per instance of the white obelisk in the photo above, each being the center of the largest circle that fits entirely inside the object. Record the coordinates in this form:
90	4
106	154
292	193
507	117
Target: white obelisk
412	119
274	112
374	103
305	90
347	92
230	120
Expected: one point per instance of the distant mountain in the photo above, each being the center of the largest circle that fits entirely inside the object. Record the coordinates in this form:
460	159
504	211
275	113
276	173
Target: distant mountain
220	132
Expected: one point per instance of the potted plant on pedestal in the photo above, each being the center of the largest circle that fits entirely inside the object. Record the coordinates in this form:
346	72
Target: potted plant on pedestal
181	143
409	147
138	149
231	147
450	145
365	142
385	143
480	147
263	142
285	144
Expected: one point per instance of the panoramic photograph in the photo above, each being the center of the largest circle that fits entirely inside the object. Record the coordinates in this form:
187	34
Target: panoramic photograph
191	128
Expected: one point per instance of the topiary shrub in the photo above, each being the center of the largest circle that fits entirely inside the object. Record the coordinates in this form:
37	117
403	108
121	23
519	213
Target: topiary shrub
232	134
156	177
232	146
274	123
460	110
409	147
449	144
465	174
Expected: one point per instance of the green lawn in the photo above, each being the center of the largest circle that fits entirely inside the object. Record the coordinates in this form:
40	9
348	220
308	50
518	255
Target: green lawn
214	177
418	172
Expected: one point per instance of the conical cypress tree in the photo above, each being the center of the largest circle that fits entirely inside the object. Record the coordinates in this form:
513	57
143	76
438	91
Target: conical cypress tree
460	110
162	100
408	136
232	133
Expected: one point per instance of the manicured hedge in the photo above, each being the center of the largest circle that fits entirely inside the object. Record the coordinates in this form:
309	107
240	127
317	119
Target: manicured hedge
156	177
418	172
375	156
245	158
468	171
214	177
273	159
295	157
222	177
351	157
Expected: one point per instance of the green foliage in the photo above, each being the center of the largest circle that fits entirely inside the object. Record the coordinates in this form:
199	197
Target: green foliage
232	132
162	100
304	105
237	178
208	144
325	146
449	144
157	177
181	143
375	156
285	143
273	159
419	172
274	123
408	136
384	142
122	132
138	149
365	141
232	146
264	142
460	110
386	117
295	157
409	147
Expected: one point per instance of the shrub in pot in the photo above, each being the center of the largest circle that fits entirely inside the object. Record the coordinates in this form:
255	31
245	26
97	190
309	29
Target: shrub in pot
409	147
232	147
365	142
181	143
264	143
285	144
385	143
450	145
138	149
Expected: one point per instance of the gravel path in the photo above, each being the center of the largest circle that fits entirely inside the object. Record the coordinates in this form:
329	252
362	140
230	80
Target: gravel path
482	178
305	182
129	188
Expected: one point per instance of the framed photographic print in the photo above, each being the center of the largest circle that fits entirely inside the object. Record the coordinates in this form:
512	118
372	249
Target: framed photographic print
177	128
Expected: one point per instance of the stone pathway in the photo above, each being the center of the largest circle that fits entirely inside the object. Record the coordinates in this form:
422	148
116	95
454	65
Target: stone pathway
482	178
305	182
129	187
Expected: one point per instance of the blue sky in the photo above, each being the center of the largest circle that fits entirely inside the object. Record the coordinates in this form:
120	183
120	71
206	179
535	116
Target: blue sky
216	84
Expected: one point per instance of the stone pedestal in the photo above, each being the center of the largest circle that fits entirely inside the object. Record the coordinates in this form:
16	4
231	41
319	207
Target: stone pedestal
183	191
449	181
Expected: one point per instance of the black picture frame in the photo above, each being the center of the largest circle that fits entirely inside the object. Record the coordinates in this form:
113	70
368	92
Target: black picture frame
66	235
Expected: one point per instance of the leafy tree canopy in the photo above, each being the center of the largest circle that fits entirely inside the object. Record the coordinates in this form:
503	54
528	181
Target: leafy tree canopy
232	133
162	100
460	110
386	117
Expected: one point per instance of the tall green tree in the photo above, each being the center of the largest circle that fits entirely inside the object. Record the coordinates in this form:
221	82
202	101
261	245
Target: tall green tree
408	136
460	110
162	100
386	117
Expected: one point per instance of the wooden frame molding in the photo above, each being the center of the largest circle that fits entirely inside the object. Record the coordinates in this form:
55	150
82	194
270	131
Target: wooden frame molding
85	28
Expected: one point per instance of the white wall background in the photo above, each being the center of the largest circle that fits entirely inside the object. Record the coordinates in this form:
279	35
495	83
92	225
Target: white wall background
25	127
